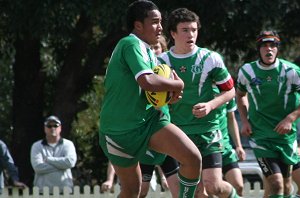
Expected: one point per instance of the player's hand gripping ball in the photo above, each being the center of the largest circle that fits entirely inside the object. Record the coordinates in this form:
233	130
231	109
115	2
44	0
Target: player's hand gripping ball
159	99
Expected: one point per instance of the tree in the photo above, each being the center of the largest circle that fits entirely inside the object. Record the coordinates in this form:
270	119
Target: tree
70	33
51	51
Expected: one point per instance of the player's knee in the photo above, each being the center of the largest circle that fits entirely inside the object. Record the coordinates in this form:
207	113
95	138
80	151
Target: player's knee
239	187
144	192
288	188
131	190
239	190
212	188
195	158
276	186
192	159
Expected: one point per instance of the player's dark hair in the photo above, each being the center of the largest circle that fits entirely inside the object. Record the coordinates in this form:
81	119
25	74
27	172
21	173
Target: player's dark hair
138	11
181	15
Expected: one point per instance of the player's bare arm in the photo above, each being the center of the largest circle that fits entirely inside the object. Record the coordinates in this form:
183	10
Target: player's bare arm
235	135
285	125
176	95
153	82
242	103
202	109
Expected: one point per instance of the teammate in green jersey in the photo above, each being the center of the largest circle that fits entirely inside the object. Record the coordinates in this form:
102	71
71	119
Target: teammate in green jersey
267	102
230	156
196	112
128	125
296	167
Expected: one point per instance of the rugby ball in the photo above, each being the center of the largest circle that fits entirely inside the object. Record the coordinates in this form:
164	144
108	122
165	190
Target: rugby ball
159	99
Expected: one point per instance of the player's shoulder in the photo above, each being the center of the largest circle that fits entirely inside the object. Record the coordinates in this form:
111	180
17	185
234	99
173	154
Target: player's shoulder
163	54
206	51
289	65
129	40
211	58
163	58
211	54
248	65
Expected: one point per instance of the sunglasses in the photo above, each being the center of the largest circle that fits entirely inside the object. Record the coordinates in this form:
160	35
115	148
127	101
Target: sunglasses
52	126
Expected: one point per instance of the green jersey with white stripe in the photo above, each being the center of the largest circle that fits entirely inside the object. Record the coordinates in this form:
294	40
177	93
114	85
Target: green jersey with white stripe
199	70
125	106
228	107
272	95
223	121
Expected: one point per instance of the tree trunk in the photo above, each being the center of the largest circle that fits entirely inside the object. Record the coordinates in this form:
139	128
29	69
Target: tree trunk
69	85
27	104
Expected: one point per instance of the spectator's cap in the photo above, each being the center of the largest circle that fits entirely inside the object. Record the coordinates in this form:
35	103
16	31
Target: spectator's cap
52	118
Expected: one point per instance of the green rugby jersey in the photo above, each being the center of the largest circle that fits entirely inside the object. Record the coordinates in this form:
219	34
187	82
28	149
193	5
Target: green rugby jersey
272	95
199	70
223	121
125	106
224	109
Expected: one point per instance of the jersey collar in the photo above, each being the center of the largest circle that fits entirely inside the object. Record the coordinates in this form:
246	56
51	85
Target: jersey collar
269	67
146	44
194	51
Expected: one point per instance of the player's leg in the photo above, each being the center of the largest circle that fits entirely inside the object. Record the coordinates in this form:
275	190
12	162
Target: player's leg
172	141
235	178
210	144
170	168
275	161
200	191
274	179
173	183
147	172
286	171
266	188
296	177
275	183
213	178
231	170
288	187
277	178
130	180
124	151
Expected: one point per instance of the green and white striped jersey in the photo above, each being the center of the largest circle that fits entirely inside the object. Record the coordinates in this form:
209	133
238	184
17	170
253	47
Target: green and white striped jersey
199	70
272	95
125	106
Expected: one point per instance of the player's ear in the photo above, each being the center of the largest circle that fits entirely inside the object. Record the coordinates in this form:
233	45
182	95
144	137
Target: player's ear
138	25
173	34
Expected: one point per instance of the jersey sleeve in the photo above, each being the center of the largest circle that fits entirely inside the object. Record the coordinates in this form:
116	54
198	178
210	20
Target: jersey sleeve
296	79
240	82
231	106
163	58
220	73
139	59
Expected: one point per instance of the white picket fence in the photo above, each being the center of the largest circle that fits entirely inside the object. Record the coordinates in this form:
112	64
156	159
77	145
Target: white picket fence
94	192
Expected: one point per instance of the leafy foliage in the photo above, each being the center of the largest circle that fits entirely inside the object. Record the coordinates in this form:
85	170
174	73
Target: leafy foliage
6	82
85	133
